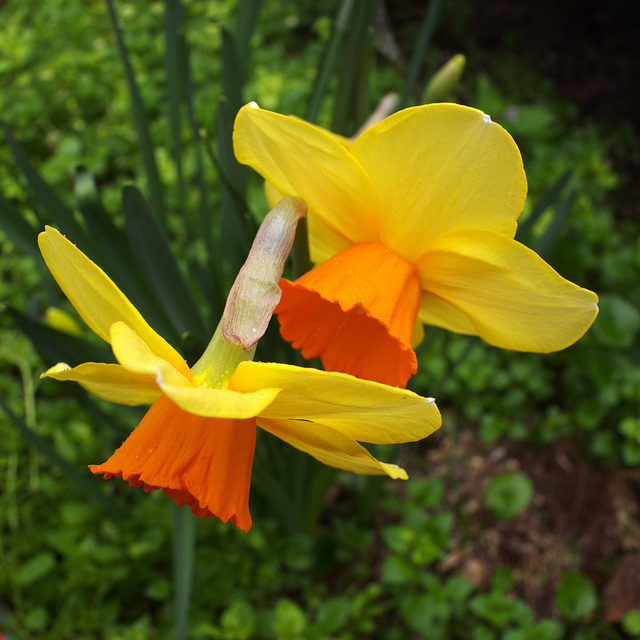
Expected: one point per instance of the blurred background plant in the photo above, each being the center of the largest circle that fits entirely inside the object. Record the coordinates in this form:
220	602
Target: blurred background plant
521	516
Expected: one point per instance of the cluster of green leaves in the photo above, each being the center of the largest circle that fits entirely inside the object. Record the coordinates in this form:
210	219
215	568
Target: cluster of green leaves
393	590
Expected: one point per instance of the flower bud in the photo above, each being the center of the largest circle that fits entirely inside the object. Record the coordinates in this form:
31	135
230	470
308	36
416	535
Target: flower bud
62	321
255	293
444	80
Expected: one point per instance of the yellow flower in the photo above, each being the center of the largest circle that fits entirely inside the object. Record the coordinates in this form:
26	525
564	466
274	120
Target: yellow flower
196	442
412	223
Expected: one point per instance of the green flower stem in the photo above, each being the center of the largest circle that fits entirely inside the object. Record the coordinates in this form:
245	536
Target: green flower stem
219	361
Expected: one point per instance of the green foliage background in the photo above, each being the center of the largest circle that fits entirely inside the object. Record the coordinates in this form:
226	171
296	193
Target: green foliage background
73	565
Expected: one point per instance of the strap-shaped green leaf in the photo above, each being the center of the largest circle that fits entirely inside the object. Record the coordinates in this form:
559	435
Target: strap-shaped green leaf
352	104
328	60
543	204
141	122
232	70
17	228
57	346
56	212
427	29
238	227
159	265
174	52
544	245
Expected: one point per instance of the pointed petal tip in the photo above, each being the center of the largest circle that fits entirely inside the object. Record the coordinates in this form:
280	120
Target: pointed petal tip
395	472
57	368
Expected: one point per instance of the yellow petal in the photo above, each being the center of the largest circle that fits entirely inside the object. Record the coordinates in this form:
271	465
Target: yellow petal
111	382
300	159
95	296
329	447
418	334
220	403
440	313
359	409
512	298
323	241
135	355
438	168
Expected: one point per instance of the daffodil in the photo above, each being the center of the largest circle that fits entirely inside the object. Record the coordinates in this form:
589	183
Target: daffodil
197	440
412	223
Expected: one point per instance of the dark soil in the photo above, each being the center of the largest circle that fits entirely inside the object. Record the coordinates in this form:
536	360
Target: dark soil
590	49
581	519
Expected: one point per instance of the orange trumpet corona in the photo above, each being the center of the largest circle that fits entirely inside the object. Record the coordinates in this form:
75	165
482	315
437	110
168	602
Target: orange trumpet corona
356	311
202	462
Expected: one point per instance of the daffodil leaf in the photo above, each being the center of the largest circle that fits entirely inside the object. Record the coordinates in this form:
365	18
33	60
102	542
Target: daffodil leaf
352	95
53	207
115	253
232	70
141	121
184	547
57	346
21	232
551	196
618	323
328	60
246	16
159	265
427	29
237	227
546	242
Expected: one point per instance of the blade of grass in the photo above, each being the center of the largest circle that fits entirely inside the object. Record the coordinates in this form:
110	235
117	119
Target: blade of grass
184	549
427	29
76	478
141	122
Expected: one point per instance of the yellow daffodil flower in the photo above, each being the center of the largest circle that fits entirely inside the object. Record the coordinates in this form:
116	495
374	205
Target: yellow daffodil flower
197	440
412	223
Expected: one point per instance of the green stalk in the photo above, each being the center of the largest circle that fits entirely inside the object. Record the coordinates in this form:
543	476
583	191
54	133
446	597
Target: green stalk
184	551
